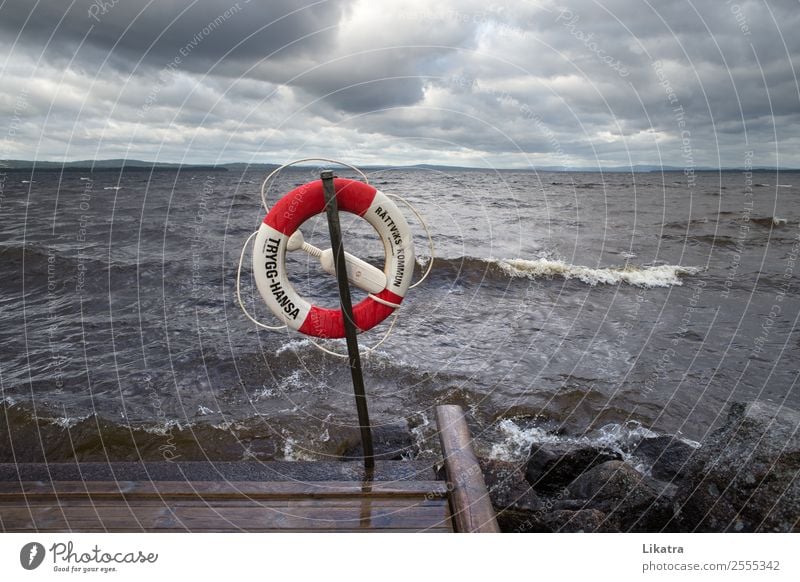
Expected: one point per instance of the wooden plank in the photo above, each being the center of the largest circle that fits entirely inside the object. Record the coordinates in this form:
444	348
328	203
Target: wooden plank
256	472
9	491
224	506
177	502
254	530
387	505
198	502
221	517
469	498
196	518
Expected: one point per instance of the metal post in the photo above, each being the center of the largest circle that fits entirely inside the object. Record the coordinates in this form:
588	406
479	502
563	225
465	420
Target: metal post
337	245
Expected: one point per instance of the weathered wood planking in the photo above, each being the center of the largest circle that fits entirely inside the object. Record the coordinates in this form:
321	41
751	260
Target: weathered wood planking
220	517
212	506
252	471
469	499
220	489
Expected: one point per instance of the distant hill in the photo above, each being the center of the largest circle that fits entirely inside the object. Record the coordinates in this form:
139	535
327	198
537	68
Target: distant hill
116	164
605	169
141	165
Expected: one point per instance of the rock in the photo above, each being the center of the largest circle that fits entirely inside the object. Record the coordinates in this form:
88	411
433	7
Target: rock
513	521
657	516
551	467
611	480
583	520
507	486
391	442
744	477
517	504
624	495
669	456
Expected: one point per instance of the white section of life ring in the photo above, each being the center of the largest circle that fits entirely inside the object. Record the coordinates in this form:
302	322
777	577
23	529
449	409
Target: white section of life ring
269	271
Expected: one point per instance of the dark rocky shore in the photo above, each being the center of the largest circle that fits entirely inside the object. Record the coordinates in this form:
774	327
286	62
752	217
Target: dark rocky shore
744	478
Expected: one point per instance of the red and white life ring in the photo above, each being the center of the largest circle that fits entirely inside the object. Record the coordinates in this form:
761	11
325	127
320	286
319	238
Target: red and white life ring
269	257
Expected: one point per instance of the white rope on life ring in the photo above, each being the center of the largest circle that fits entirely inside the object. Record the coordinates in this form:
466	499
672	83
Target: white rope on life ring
273	240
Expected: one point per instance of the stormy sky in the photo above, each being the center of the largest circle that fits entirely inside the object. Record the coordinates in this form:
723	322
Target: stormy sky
482	83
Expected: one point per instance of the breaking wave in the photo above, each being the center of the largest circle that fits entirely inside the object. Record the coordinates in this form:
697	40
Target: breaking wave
515	438
472	268
649	276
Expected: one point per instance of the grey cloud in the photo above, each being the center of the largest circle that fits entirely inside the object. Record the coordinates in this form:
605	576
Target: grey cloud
366	81
159	30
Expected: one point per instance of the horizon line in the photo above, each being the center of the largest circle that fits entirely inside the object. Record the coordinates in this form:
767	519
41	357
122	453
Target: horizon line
22	164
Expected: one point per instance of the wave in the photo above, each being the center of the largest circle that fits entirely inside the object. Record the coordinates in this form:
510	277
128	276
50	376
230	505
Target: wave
769	221
715	240
513	439
473	268
647	276
684	224
739	218
516	437
38	438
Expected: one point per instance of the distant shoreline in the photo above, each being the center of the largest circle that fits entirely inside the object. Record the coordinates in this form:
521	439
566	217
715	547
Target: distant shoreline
89	170
141	165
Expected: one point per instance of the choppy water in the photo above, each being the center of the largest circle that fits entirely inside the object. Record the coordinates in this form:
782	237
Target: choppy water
613	304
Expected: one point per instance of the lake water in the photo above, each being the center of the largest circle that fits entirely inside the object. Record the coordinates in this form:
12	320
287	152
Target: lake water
591	305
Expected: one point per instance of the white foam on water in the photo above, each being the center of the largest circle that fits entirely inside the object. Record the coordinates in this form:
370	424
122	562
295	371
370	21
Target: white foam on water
657	276
624	436
294	380
325	435
690	442
293	346
292	453
420	435
165	429
204	411
778	221
515	441
66	421
266	393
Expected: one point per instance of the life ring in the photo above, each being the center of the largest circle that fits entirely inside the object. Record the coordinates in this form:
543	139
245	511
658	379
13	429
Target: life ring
269	257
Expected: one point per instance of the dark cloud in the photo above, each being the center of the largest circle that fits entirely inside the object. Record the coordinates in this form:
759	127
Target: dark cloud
360	82
157	31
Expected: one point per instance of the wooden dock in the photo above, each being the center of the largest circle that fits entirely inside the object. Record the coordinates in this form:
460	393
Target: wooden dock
397	496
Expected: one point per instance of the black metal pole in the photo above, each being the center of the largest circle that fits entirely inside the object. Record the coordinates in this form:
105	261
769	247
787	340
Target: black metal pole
337	245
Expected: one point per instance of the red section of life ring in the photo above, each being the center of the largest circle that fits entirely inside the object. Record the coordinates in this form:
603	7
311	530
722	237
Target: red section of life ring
329	323
286	217
309	200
